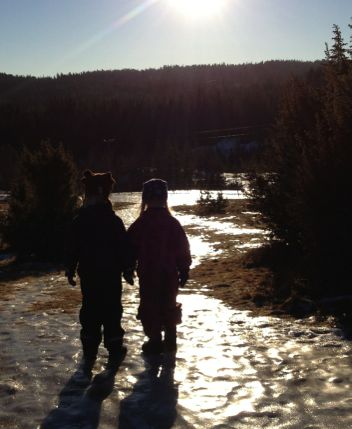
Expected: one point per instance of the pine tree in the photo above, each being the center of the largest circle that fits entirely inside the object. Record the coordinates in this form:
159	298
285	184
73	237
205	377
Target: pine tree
338	51
43	201
327	53
350	48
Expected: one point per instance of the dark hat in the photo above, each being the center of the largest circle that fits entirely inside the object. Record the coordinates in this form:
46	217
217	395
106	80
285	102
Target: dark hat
98	183
154	189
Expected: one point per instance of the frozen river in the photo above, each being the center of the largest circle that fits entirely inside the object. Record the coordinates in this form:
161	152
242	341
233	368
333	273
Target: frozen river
231	370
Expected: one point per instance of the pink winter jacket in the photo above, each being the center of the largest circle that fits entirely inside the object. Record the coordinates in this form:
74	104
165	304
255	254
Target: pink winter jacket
162	251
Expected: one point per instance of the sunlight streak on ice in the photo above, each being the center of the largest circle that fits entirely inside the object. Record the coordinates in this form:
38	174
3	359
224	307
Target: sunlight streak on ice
200	249
213	390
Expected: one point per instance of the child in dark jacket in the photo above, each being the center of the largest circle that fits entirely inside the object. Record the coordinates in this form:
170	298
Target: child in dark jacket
98	249
161	249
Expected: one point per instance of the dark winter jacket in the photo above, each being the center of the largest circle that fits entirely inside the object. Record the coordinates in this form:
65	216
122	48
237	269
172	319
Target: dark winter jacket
97	243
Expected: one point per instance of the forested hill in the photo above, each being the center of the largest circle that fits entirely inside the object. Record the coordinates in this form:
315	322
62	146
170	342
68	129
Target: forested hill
166	81
130	119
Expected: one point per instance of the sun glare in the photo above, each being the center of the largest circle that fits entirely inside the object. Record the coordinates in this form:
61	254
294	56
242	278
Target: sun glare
198	9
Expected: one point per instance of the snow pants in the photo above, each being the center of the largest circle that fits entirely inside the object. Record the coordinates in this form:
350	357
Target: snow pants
158	310
101	314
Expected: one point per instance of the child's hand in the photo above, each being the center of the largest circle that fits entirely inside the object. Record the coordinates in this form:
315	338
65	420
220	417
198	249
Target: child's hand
183	277
129	277
71	279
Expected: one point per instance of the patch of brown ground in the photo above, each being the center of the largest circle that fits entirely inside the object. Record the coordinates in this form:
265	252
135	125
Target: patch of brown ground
59	297
66	299
4	205
229	279
7	290
229	276
239	209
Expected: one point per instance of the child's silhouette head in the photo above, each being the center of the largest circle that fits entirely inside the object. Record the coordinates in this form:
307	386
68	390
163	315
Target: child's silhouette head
154	190
97	184
154	194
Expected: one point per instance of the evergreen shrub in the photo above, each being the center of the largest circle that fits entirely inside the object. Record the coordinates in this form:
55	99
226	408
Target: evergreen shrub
208	204
43	201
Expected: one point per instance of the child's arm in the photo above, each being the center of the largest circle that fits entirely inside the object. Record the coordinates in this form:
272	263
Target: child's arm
72	253
183	277
128	275
71	279
132	253
127	260
184	259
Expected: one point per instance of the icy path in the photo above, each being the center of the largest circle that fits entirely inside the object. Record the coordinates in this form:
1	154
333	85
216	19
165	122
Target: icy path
231	370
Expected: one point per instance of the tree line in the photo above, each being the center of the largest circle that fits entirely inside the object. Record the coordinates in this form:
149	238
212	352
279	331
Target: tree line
141	123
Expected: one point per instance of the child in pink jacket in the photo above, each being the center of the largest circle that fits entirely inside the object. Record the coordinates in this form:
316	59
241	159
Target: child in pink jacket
162	252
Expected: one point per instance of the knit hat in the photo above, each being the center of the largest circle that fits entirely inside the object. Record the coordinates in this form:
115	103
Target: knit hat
154	189
98	184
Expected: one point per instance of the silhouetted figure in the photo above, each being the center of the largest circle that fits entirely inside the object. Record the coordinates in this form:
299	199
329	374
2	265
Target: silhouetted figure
163	257
152	404
98	246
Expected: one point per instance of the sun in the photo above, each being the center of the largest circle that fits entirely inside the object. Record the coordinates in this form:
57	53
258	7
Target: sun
198	9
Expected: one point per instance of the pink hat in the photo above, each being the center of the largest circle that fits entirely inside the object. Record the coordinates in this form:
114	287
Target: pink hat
154	189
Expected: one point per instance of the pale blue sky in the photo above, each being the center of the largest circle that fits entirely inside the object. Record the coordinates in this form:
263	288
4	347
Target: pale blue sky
45	37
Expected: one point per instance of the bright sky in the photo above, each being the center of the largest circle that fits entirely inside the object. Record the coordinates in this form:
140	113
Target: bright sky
45	37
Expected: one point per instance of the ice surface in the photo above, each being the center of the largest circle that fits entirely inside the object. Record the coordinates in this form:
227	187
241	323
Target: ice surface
231	370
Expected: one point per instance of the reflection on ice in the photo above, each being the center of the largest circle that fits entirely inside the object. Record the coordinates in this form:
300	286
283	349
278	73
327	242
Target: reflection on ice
221	227
218	391
245	399
175	198
200	249
252	244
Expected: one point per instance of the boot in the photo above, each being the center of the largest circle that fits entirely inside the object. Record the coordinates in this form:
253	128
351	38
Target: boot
153	346
117	352
90	346
84	373
87	366
115	358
